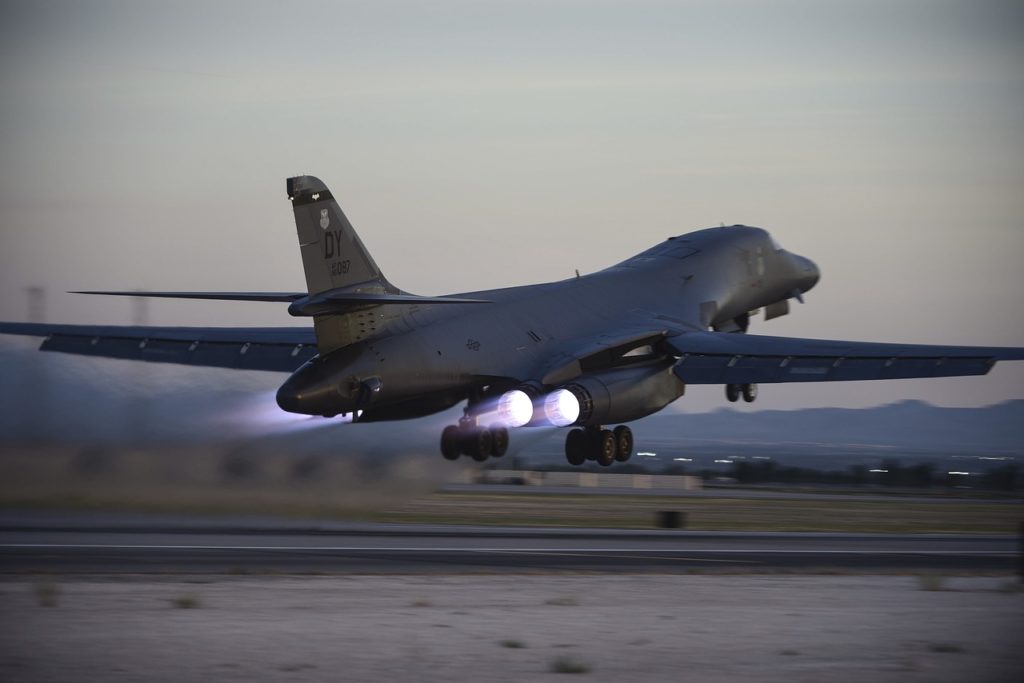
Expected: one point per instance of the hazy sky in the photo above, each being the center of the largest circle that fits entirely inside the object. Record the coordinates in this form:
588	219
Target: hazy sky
484	144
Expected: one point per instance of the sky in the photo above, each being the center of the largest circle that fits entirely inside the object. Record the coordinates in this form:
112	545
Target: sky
488	144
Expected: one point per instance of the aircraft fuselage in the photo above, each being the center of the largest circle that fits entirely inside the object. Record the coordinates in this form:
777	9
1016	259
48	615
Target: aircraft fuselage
435	356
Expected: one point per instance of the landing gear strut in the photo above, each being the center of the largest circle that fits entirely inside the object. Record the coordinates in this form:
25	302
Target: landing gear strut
747	391
603	445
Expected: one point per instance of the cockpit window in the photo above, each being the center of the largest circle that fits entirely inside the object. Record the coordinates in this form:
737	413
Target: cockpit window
775	244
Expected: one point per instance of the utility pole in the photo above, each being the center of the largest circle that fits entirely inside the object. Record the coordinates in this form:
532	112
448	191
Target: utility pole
140	410
35	388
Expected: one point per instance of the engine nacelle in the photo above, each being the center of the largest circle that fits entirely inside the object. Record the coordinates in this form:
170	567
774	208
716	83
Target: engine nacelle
616	395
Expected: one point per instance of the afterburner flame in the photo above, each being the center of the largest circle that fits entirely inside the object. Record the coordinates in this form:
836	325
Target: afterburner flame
515	408
561	407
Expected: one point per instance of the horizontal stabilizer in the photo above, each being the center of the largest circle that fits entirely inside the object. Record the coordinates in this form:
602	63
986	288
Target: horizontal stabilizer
325	303
283	297
720	358
344	299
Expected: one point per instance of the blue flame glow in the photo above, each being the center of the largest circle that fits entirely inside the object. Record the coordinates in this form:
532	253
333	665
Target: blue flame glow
260	415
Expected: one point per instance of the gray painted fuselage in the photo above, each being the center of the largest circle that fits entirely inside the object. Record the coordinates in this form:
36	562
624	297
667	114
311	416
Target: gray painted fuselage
432	357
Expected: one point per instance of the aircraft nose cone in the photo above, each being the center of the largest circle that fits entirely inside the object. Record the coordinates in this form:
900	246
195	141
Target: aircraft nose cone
809	273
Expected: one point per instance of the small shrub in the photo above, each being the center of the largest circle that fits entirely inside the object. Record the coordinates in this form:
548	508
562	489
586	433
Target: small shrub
944	647
47	594
513	644
93	462
238	466
307	468
187	601
568	665
931	582
567	601
421	602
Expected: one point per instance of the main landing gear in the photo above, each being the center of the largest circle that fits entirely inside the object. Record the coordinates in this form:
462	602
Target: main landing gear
603	445
734	391
468	438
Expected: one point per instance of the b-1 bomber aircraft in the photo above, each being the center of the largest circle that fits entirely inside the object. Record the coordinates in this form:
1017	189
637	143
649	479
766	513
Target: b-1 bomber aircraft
588	352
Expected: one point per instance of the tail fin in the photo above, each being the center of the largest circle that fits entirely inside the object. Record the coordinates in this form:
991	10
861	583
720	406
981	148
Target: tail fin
349	298
333	256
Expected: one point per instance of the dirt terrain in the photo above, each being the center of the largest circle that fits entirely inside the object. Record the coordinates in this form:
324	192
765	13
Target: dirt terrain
511	628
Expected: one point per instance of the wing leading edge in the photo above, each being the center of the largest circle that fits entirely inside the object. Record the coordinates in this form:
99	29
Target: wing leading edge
278	349
724	358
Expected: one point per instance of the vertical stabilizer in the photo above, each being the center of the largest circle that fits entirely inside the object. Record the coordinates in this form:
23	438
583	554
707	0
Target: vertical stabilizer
333	257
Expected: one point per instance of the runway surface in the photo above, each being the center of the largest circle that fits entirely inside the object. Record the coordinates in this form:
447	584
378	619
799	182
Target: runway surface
740	493
112	543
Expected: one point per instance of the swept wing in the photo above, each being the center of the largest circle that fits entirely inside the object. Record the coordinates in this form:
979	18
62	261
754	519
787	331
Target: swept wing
726	358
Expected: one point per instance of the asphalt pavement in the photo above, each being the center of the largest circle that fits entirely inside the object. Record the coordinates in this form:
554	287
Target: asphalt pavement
33	541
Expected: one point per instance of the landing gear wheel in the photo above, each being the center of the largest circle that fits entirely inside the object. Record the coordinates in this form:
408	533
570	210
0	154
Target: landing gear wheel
623	443
605	443
451	442
732	392
576	447
591	443
477	444
749	392
499	441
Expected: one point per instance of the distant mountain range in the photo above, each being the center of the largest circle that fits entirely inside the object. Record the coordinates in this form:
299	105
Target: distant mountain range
907	425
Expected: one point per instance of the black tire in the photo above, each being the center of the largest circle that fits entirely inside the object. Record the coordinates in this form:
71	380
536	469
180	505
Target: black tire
576	447
623	443
732	392
477	444
499	441
749	392
590	445
451	442
605	452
